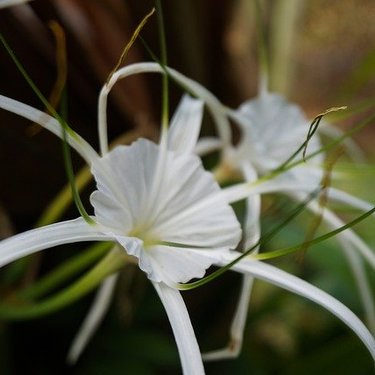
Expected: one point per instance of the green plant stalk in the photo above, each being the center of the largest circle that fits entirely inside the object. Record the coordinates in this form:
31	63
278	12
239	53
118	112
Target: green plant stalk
66	129
111	263
164	60
65	271
284	22
262	49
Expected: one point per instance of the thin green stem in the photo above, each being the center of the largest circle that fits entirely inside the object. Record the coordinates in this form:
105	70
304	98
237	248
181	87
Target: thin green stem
111	263
292	249
64	272
164	61
284	22
64	199
262	49
64	126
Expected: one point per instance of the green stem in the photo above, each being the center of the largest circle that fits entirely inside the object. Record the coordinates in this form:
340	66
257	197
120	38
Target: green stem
262	49
66	129
284	21
292	249
111	263
163	54
65	271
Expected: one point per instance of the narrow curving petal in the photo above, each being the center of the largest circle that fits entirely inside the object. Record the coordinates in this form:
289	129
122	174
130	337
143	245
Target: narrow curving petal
354	259
52	235
51	124
205	145
298	286
349	235
346	198
183	331
251	236
253	205
233	349
93	319
214	106
185	125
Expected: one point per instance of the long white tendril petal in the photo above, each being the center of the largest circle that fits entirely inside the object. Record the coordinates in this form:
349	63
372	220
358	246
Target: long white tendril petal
179	319
215	107
354	260
242	190
65	232
348	199
251	237
233	349
364	288
93	319
298	286
349	235
51	124
205	145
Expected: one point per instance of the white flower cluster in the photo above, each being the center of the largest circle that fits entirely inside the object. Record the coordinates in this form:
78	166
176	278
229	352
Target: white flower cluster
161	206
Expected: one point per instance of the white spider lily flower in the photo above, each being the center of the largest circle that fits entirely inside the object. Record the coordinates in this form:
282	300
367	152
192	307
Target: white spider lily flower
182	137
272	129
160	205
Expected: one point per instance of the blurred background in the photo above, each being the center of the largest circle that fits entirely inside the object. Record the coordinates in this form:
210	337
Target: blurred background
322	54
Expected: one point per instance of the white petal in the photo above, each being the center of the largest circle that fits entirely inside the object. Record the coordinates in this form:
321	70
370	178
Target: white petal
355	261
129	172
206	145
185	125
179	319
350	236
292	283
243	190
52	235
253	204
237	328
174	265
93	319
251	236
49	123
171	264
355	202
362	281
